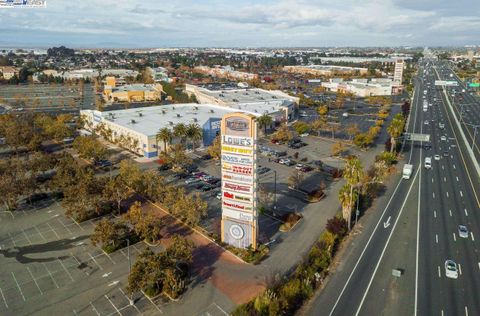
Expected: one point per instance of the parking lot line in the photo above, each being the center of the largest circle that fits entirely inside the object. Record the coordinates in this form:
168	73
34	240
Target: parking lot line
53	230
77	223
51	276
69	231
26	236
108	256
66	270
113	305
3	296
128	299
95	261
18	285
148	298
41	235
13	241
34	280
94	309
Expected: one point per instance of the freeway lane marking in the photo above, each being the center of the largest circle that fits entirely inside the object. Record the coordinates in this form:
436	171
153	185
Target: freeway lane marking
390	236
444	179
454	165
364	249
466	213
471	233
454	238
466	311
450	211
435	214
387	223
433	194
460	268
432	180
439	273
461	193
447	194
436	238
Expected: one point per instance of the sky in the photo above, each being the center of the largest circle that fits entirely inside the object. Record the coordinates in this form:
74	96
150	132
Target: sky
242	23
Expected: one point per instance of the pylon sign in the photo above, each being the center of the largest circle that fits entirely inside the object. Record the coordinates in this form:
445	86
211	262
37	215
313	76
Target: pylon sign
239	180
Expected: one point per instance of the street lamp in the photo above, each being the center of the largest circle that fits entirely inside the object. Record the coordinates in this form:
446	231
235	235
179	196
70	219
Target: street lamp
130	299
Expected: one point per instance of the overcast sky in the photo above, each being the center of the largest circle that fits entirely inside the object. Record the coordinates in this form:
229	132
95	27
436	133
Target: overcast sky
241	23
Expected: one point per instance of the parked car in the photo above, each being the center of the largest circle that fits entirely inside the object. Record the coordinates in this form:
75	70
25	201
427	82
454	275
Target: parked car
165	166
306	169
103	163
219	195
207	187
192	180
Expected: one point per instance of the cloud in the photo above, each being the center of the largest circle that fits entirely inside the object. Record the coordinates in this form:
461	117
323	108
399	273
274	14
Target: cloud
246	22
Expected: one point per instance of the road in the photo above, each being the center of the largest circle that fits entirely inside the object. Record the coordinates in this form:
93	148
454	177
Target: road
415	229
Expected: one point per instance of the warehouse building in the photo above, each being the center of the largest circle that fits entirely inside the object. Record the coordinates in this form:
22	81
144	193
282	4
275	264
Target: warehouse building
131	92
140	125
232	95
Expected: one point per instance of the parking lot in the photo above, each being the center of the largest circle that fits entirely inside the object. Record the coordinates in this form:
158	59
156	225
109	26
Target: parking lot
54	98
48	264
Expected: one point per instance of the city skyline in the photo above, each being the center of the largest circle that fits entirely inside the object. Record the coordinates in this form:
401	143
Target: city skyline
286	23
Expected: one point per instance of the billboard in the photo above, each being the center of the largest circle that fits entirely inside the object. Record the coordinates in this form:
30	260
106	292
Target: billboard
238	144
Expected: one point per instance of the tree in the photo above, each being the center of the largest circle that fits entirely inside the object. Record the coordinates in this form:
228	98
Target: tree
264	122
194	132
338	148
352	130
301	127
353	173
283	133
180	249
395	129
295	179
347	198
165	135
147	226
109	234
215	149
180	130
90	148
322	110
116	190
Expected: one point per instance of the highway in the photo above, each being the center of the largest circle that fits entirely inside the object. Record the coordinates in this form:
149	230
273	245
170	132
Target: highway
416	229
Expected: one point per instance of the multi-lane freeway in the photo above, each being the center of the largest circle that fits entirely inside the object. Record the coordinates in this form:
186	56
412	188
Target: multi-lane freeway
416	227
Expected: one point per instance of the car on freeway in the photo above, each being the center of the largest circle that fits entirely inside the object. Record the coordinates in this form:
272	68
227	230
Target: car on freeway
462	231
426	122
446	154
451	269
436	157
443	138
441	125
427	146
428	162
192	180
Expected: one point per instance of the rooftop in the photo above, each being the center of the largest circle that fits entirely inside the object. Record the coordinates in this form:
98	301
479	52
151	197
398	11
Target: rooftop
149	120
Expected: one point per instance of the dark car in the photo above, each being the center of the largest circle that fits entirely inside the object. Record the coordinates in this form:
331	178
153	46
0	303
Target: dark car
199	186
213	181
103	163
36	197
306	169
164	167
207	187
206	157
445	154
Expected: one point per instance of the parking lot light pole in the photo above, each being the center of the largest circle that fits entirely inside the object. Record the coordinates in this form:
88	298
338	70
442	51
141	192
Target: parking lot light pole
130	299
275	192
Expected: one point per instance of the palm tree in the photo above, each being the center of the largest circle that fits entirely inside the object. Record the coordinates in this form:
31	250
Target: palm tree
395	129
347	198
164	135
353	171
264	121
195	133
180	130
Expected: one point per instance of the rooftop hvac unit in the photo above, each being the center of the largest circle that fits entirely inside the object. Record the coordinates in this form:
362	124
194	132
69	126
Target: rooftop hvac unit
178	115
257	92
195	119
170	122
140	114
211	111
133	121
163	112
196	108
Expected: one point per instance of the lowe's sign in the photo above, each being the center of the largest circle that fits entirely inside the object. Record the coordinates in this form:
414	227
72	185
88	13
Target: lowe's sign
237	141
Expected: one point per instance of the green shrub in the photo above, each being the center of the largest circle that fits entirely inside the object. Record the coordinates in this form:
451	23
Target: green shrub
389	157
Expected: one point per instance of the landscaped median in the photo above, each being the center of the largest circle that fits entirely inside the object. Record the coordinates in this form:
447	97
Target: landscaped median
286	295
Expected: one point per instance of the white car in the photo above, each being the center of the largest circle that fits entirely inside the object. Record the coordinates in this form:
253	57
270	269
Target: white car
192	180
462	231
436	157
428	162
425	123
451	269
443	138
441	125
304	135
